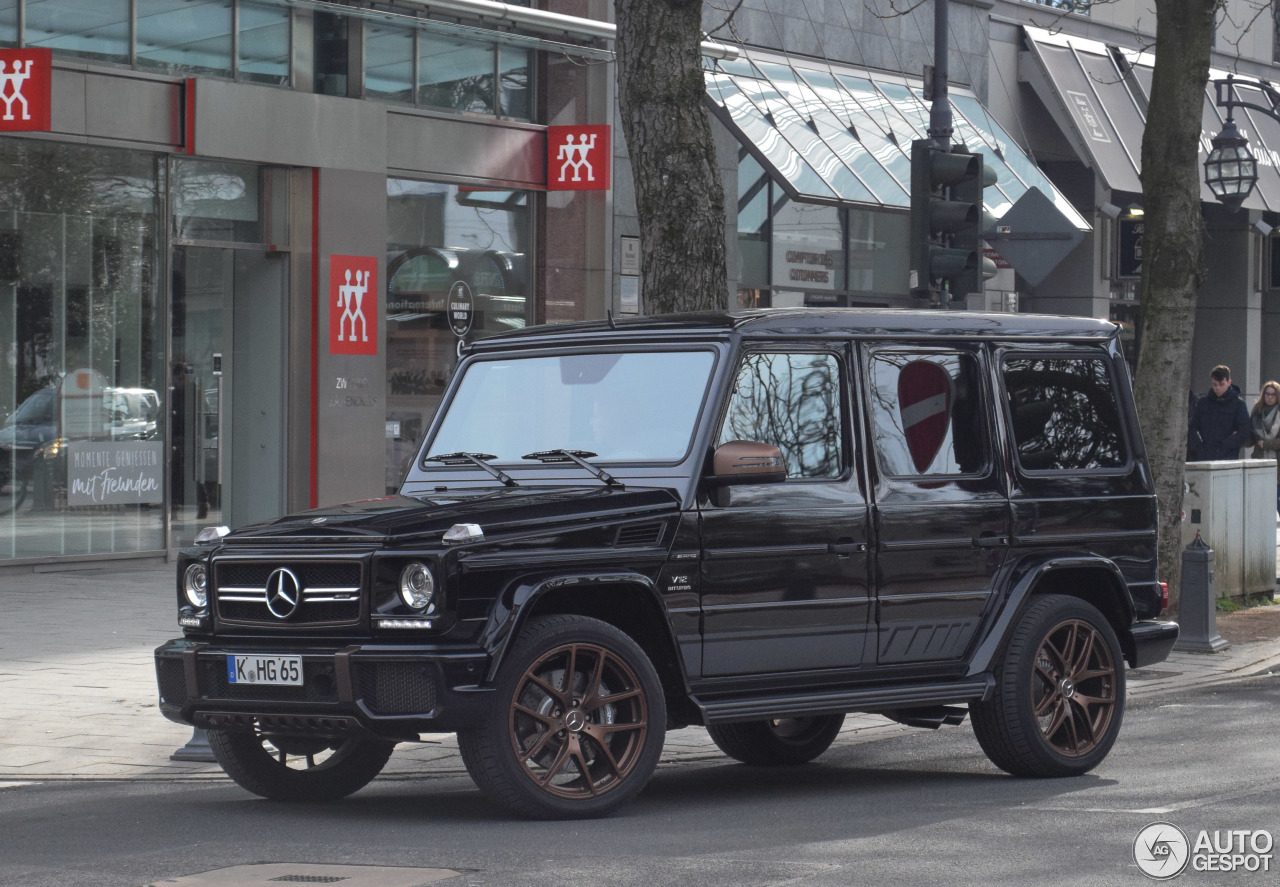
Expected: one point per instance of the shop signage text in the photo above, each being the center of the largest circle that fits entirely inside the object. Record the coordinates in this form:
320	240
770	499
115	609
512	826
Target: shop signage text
578	158
461	308
26	85
115	472
353	305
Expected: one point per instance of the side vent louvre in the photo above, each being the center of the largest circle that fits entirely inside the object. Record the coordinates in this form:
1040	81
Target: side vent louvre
638	535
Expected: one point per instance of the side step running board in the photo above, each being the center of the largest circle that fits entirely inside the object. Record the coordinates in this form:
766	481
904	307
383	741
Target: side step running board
877	699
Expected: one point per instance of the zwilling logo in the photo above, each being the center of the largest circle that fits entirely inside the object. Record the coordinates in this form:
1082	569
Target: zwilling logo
1089	117
578	158
353	305
26	77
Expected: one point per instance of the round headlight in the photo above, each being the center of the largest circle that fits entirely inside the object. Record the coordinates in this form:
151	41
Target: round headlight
417	586
195	585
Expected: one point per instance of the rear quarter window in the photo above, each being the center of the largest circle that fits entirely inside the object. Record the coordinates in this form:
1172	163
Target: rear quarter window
1063	413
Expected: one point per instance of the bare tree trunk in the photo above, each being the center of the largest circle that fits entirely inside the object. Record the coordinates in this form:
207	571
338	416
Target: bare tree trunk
1173	264
679	197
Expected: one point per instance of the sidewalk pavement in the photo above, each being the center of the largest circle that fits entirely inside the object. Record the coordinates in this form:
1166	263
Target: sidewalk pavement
79	692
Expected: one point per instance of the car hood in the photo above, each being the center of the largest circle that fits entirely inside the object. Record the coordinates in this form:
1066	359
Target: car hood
412	518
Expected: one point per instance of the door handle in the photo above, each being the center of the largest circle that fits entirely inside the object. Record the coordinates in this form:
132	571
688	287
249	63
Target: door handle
844	548
990	541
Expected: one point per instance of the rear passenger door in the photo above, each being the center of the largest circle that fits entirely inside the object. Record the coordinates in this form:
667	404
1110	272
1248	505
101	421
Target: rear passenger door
940	509
1077	485
784	565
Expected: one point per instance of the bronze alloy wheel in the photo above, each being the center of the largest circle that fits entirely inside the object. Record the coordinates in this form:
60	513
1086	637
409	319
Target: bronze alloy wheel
1073	688
578	721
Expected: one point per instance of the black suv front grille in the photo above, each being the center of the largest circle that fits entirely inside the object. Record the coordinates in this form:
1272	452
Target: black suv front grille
326	593
395	688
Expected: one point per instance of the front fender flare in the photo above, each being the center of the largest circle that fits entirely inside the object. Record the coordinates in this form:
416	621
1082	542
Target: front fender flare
511	611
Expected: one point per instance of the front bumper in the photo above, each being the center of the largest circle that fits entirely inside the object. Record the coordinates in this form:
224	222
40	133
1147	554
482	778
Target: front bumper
394	691
1149	642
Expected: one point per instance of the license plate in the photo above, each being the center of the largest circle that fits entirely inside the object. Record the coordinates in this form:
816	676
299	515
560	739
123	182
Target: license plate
272	670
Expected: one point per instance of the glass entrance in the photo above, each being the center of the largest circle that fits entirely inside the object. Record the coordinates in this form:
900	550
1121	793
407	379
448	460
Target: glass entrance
226	388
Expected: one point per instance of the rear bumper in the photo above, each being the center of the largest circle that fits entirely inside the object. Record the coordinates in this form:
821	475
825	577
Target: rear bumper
1149	642
393	691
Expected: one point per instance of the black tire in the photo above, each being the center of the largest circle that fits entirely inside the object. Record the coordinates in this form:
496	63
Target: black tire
783	741
299	768
1060	692
552	747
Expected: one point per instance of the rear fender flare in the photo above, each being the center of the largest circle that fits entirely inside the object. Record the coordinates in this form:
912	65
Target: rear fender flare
1026	576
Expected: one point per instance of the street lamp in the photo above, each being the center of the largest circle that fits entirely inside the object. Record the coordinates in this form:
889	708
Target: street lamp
1231	170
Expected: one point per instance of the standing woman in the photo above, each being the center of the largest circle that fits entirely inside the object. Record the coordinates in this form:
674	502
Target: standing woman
1265	424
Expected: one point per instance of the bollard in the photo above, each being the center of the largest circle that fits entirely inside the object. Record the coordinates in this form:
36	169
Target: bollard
197	749
1198	611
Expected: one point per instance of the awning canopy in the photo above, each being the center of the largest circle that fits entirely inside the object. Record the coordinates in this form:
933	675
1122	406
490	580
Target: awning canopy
841	135
1099	94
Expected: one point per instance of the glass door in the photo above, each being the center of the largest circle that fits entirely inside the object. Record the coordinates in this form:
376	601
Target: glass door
226	388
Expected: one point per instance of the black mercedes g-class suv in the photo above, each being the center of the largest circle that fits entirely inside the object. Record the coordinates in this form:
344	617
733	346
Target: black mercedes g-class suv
756	522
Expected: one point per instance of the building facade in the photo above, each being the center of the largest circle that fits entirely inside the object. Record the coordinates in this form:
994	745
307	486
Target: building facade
241	243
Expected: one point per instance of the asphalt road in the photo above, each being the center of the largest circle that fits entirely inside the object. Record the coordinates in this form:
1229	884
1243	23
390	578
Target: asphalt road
923	808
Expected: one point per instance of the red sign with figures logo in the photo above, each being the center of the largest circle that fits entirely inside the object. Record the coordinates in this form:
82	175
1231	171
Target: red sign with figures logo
924	400
26	78
353	305
578	158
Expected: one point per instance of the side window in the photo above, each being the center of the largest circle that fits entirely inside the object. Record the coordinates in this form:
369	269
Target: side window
790	400
1063	413
927	414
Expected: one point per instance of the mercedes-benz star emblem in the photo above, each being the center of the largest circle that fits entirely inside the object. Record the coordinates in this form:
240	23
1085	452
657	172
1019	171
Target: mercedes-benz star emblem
283	593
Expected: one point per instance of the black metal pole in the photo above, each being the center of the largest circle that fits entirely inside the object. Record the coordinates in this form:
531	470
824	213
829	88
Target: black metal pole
940	110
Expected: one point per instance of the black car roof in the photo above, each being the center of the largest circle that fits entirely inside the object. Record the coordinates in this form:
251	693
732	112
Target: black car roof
842	322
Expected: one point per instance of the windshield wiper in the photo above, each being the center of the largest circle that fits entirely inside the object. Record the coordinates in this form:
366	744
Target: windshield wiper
474	459
578	456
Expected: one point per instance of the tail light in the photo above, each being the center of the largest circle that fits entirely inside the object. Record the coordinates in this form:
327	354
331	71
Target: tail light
1164	596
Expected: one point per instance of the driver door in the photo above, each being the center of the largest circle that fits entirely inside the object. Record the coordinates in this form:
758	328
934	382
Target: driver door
784	565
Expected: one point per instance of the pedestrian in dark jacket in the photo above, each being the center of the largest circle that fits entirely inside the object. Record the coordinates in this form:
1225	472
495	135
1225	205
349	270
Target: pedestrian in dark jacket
1220	422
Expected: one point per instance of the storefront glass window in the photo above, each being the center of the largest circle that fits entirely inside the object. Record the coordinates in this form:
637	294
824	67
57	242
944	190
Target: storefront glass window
455	74
264	44
185	35
457	270
218	202
807	248
514	72
388	62
82	389
753	218
101	27
878	245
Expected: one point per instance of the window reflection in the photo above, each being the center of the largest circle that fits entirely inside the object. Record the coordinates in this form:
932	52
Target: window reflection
96	29
926	410
1064	414
793	402
388	63
439	236
264	44
455	74
80	323
185	35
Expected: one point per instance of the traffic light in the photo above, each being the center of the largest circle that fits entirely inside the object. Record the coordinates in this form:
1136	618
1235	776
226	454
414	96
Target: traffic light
947	221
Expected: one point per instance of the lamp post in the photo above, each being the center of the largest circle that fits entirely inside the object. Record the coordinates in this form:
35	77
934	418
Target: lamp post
1231	170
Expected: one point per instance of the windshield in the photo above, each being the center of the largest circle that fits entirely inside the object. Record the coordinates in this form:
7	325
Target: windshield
640	406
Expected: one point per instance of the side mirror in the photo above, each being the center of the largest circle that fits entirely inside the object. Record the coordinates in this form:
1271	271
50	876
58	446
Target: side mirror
746	462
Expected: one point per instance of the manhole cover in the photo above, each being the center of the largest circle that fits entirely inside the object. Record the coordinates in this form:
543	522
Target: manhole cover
1150	674
276	873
